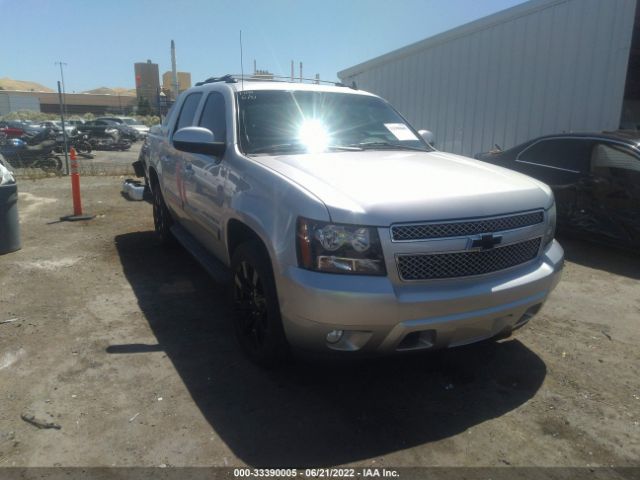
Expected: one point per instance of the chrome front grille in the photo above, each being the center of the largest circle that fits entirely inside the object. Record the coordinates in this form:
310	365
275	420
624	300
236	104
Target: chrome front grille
425	231
464	264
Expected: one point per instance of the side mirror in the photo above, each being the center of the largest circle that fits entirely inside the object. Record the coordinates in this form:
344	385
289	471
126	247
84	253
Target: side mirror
428	136
198	140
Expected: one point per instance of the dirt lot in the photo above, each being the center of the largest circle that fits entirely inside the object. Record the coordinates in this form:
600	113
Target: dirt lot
128	348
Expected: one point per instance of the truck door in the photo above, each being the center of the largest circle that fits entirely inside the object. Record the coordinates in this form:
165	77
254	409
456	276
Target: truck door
173	160
205	179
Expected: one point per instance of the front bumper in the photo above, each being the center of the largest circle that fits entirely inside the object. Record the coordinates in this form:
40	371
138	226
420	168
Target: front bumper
378	316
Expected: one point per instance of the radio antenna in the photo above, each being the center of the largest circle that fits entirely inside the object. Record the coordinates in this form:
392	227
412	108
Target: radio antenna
241	65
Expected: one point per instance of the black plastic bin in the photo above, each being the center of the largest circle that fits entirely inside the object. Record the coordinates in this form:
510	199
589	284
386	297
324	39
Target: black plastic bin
9	225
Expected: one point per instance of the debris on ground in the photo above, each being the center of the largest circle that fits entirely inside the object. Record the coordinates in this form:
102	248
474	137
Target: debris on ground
134	417
37	422
11	320
133	189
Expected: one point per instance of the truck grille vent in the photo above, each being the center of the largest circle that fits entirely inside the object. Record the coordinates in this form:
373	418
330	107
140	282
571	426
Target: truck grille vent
424	231
464	264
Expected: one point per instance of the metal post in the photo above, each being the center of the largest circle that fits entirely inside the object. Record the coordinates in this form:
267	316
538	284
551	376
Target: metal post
64	92
300	72
64	132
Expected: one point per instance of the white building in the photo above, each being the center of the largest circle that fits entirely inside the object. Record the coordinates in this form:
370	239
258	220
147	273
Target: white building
13	102
545	66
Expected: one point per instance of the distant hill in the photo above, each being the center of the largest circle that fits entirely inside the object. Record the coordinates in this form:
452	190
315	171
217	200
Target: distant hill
7	83
10	84
113	91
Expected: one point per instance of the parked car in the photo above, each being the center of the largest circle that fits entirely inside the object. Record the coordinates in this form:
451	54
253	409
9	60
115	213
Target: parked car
11	129
99	127
340	228
76	122
57	126
595	178
137	125
18	128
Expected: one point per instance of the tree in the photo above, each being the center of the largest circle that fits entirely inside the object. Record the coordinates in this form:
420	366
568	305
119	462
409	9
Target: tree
144	107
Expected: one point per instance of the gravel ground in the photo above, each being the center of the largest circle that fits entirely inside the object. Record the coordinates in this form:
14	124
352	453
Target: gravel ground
128	348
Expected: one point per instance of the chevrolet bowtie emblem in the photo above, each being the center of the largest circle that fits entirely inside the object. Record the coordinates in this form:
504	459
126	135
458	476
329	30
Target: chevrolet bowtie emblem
485	242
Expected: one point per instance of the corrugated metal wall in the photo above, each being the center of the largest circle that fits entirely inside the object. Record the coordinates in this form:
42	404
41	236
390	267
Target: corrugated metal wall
543	67
13	103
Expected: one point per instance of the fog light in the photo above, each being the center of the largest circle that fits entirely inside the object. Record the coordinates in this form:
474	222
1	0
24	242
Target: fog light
334	336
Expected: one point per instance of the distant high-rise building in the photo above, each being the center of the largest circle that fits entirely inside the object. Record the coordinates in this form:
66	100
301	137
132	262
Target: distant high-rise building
184	81
147	81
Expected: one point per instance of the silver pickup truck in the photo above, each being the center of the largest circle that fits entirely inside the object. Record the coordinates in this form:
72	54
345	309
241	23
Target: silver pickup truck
340	228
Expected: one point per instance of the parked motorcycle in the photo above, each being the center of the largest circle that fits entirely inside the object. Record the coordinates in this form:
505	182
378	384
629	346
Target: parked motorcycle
80	142
22	155
109	143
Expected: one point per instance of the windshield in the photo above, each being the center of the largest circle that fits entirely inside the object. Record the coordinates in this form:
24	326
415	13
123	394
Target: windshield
301	122
131	121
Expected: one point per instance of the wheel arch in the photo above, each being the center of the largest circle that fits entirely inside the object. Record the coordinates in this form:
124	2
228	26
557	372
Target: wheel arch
154	179
238	232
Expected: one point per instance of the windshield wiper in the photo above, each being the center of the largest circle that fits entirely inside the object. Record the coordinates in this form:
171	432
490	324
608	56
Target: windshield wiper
277	148
374	145
346	148
299	146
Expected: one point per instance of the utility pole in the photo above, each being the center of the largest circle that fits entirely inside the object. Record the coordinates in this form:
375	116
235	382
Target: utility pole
64	131
64	93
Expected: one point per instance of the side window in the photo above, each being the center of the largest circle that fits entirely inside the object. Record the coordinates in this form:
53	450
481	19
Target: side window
567	154
188	111
213	116
609	160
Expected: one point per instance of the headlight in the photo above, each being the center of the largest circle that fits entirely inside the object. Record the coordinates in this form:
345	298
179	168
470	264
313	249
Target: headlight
333	248
6	177
550	230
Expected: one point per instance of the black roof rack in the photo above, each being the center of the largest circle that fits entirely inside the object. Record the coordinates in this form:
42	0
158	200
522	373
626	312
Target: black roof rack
229	78
225	78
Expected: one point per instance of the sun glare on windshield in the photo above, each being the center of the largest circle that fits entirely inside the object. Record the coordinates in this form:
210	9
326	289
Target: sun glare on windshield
313	135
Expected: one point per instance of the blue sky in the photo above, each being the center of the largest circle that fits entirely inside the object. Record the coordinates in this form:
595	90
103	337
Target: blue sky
101	39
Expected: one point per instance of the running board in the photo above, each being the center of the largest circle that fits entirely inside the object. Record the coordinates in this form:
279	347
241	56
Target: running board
211	264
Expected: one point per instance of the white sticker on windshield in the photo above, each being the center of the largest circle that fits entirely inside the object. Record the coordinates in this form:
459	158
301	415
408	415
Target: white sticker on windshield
400	131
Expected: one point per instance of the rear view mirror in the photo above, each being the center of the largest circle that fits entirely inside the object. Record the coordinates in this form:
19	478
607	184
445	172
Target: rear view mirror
197	140
427	136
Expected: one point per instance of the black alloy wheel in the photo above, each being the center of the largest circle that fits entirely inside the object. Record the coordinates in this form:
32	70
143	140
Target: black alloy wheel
162	220
257	322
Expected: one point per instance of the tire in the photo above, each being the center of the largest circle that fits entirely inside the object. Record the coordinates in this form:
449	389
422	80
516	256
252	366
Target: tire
256	312
125	145
162	220
50	164
83	147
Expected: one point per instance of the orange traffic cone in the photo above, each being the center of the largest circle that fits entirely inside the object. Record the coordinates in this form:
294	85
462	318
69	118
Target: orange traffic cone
75	190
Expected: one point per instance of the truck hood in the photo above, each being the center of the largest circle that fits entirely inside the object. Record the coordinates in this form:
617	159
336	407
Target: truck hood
378	187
